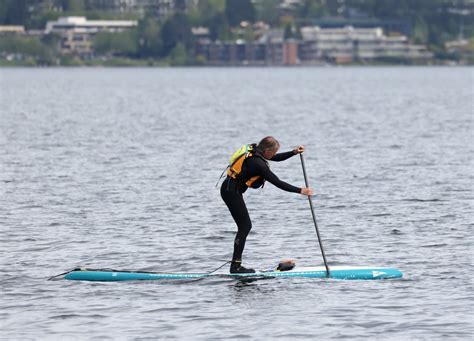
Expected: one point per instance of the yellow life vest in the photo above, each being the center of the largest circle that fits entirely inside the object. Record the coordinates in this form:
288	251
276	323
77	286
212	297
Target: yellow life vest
236	162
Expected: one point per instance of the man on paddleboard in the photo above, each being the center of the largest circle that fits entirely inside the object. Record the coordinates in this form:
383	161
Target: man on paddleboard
249	167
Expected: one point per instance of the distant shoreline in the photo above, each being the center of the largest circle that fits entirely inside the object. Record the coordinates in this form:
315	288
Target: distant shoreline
147	64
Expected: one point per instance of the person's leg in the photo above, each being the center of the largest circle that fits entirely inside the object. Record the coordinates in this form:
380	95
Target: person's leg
239	212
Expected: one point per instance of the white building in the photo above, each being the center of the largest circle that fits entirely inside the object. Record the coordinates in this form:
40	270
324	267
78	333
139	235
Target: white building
91	26
348	43
77	33
12	29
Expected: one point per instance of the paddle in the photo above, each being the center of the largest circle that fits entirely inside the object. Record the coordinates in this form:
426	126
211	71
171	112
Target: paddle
314	217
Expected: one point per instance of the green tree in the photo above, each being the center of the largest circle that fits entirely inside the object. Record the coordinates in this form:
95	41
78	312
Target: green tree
267	11
237	11
150	43
205	11
178	55
420	30
123	43
176	29
73	6
14	12
312	9
77	6
28	47
219	28
288	31
212	5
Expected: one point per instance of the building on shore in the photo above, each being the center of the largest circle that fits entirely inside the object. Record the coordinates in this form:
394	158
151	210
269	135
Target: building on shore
389	26
290	52
12	29
317	46
269	49
77	33
462	49
349	44
241	52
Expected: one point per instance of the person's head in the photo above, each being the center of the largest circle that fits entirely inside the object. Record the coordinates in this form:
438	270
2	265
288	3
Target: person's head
268	147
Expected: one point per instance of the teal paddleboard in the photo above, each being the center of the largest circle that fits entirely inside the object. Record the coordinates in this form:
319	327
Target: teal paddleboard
336	272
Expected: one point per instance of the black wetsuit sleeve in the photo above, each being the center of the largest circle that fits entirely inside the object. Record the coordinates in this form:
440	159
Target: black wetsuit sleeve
273	179
283	156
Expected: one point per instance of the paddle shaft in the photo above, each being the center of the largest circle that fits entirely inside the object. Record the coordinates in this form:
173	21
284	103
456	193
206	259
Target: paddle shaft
314	216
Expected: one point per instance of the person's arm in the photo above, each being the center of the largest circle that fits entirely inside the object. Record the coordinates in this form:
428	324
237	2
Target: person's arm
287	155
273	179
283	156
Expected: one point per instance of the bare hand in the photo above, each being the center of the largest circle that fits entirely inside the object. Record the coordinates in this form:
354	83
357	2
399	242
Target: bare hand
299	149
307	191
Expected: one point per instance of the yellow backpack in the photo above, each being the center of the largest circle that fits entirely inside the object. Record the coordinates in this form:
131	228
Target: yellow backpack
235	164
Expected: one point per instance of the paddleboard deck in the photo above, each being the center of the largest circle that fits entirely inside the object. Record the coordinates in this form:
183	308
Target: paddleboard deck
336	272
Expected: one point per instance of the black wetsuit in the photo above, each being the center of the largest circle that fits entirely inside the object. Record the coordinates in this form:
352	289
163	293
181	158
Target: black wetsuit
232	190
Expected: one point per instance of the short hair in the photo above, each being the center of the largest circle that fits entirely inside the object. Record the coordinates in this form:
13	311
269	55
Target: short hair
268	143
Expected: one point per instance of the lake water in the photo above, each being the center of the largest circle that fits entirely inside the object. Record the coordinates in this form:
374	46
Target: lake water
116	168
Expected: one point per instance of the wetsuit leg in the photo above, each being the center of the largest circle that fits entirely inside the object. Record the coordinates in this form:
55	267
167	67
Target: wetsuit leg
236	204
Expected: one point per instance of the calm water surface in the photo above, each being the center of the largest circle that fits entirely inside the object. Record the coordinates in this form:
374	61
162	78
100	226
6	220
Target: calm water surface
116	168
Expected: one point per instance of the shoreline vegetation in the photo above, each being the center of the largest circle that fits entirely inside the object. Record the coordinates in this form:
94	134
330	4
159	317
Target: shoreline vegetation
236	33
